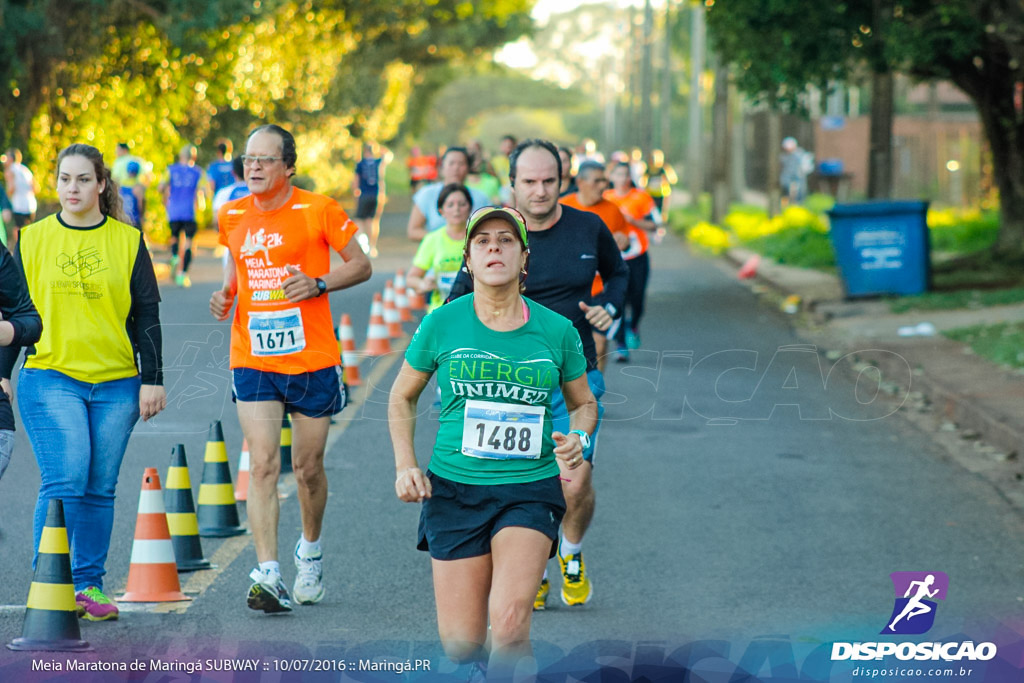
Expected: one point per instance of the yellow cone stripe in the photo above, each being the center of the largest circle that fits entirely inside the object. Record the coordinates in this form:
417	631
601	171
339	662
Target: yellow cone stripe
216	452
153	552
177	478
52	597
151	502
216	494
54	541
286	436
182	524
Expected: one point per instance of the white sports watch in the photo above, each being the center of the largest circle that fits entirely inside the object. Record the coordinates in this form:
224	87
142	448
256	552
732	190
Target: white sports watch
584	437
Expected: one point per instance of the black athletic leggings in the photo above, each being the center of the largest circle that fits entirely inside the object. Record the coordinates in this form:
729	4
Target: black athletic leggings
636	292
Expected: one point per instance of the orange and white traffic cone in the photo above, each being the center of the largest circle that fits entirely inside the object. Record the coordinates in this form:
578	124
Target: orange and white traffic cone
377	341
242	485
749	267
416	300
402	297
391	317
153	573
349	355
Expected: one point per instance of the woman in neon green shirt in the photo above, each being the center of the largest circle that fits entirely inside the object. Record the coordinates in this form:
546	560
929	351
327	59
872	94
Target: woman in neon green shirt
439	257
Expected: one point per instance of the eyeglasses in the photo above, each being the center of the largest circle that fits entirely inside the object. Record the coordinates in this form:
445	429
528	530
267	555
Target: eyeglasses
261	161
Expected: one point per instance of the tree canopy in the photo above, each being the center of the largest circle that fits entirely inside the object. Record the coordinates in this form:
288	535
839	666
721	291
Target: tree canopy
780	46
158	73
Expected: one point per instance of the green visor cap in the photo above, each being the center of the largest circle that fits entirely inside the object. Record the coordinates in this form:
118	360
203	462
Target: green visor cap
509	215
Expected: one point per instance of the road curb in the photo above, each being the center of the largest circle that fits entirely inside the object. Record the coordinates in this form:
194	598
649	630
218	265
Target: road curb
954	399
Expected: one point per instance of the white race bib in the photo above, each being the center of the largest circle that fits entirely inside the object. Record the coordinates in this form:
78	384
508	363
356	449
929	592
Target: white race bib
445	282
502	431
276	333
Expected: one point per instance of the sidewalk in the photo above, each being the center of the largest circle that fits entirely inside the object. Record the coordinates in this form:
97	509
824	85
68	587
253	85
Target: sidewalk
982	400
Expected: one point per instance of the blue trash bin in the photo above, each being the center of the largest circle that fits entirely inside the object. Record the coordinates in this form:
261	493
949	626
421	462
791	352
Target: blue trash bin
882	247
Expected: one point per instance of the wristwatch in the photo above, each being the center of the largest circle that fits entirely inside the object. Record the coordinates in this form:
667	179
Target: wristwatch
321	286
584	437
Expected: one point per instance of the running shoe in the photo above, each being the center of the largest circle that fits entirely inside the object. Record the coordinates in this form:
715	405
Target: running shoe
632	339
542	596
309	582
95	606
622	355
575	584
183	280
268	593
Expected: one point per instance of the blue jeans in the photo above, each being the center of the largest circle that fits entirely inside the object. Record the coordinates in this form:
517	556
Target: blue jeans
560	415
79	433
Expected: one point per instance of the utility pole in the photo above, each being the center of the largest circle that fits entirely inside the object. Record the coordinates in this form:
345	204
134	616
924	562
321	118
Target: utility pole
665	139
647	84
694	156
720	134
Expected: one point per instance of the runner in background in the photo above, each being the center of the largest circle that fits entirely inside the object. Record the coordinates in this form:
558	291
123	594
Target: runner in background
439	256
500	165
119	169
589	197
219	173
422	168
133	195
182	193
236	190
567	184
637	208
660	179
21	188
284	356
6	215
424	216
368	188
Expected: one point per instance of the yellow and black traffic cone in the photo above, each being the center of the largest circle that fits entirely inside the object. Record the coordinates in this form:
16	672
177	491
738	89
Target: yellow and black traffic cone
181	515
217	514
286	444
51	614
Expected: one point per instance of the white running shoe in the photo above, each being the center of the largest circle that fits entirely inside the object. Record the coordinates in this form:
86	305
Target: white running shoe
309	580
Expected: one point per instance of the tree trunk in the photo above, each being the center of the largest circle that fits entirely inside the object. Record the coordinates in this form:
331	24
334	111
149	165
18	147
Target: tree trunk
880	154
720	132
1004	128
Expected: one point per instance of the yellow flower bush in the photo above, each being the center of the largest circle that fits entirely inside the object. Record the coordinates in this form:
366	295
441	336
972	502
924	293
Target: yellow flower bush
709	237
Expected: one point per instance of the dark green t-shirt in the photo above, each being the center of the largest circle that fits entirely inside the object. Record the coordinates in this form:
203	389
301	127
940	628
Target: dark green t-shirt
495	391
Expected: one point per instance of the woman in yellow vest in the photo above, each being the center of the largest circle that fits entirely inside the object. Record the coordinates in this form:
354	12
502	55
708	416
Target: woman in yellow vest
80	391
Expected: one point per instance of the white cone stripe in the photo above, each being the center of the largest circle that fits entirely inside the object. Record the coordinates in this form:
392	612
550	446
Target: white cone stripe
350	358
153	552
151	502
391	315
347	332
377	308
243	461
378	331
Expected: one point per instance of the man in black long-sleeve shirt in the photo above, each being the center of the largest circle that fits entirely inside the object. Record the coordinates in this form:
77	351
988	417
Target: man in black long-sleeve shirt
567	247
20	325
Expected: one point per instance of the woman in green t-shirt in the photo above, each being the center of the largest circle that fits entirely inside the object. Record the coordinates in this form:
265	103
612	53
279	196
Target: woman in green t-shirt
439	256
492	501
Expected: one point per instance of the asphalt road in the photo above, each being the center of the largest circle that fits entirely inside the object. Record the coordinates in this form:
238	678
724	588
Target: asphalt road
745	490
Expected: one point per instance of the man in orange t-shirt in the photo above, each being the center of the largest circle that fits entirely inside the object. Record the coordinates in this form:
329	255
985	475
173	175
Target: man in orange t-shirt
637	208
284	357
591	183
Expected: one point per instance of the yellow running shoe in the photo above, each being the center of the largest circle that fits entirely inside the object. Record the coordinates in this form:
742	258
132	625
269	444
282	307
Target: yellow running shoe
542	596
575	584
